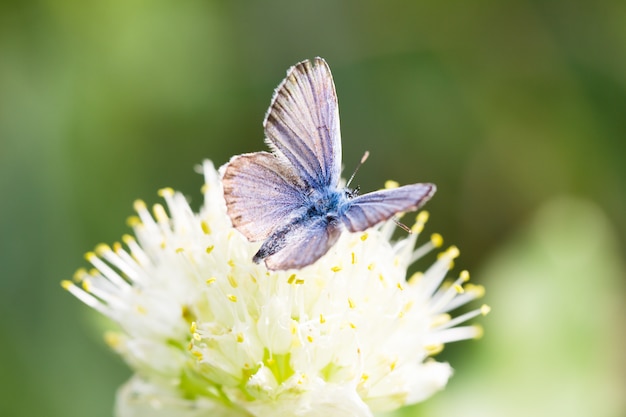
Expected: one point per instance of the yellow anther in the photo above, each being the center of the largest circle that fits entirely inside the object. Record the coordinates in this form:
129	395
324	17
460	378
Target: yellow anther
459	289
422	216
364	377
112	339
67	284
436	239
102	248
232	298
239	337
351	303
79	274
231	263
336	268
133	221
165	192
353	258
464	275
389	184
141	310
86	284
371	266
211	280
299	281
352	325
232	281
415	278
209	249
128	240
381	278
94	272
393	365
417	228
479	331
291	278
159	213
205	227
309	338
400	286
178	250
434	349
322	319
477	290
364	236
139	205
193	327
90	255
453	252
196	337
440	319
197	355
117	247
270	361
485	309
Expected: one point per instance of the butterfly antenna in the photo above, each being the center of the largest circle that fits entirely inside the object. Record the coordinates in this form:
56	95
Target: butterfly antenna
363	159
402	226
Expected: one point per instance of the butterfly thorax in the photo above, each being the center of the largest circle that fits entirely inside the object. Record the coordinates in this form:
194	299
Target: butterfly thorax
329	203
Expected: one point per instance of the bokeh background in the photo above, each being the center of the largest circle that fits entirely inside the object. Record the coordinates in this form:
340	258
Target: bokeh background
515	109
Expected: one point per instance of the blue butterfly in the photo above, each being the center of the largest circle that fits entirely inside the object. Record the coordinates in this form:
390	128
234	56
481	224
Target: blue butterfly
290	198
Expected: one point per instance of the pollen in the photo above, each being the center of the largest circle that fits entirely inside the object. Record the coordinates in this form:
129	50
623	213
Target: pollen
133	221
102	248
231	263
436	239
351	303
336	268
353	258
159	213
390	184
485	309
364	236
139	205
232	298
240	337
291	278
232	281
112	339
180	250
309	338
371	266
209	249
205	227
165	192
322	319
211	280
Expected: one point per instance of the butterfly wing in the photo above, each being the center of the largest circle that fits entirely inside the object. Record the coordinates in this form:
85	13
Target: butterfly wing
261	193
370	209
302	123
299	243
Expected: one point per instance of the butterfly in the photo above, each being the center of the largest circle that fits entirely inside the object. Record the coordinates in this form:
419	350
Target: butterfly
290	198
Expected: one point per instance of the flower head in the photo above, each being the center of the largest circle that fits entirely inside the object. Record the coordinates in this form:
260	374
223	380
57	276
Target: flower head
209	332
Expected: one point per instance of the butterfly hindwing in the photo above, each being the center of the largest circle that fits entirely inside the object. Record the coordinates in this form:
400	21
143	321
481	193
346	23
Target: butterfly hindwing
299	243
302	123
370	209
261	193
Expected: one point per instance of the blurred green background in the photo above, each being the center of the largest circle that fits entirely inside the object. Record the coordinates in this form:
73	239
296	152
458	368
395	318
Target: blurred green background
515	109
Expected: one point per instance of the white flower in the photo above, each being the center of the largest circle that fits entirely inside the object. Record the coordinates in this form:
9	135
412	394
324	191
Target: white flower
210	333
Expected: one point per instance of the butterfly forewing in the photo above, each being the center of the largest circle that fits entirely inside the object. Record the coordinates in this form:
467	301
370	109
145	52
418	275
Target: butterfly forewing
370	209
261	193
302	123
